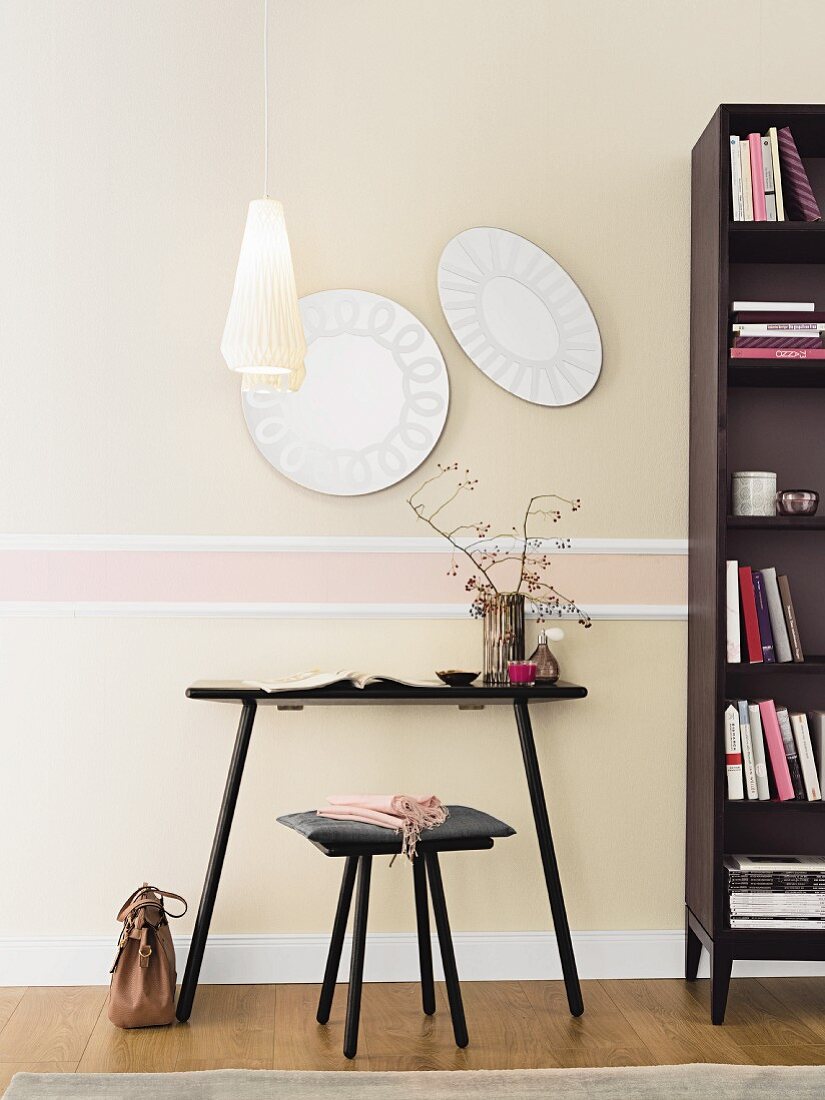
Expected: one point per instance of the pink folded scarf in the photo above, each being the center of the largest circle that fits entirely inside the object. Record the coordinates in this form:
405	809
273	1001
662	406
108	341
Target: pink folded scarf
406	813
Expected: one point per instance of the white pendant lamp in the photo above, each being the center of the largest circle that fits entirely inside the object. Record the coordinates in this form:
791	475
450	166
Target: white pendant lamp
264	339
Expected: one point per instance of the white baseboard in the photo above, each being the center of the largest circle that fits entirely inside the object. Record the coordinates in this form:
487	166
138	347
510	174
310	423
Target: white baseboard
391	957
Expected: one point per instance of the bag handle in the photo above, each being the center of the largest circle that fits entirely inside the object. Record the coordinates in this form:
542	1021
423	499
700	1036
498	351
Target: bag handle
130	905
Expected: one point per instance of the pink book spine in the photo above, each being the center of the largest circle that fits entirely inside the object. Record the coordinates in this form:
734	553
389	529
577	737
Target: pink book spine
776	750
760	210
777	353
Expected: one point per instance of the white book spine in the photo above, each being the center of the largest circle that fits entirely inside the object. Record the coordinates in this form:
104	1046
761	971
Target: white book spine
733	754
805	752
777	173
779	628
760	765
793	328
747	752
773	307
736	180
770	207
816	730
734	645
747	183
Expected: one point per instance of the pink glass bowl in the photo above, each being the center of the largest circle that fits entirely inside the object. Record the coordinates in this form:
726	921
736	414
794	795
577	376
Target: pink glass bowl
521	672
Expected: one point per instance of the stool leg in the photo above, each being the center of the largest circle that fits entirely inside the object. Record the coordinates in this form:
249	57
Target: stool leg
359	943
336	942
445	942
425	947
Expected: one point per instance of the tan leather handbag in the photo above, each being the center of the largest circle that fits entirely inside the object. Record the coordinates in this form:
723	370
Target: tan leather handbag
142	993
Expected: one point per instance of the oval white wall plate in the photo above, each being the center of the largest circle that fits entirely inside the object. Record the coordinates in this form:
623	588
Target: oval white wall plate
519	316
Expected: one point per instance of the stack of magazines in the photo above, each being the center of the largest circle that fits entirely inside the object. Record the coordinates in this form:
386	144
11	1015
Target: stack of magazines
776	892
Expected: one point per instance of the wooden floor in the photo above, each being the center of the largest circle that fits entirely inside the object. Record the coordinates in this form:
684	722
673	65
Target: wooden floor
525	1025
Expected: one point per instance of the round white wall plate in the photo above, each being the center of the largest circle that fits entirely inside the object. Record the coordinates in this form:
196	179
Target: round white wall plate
373	403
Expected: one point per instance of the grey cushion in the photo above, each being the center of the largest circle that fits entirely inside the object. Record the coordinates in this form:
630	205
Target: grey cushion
463	823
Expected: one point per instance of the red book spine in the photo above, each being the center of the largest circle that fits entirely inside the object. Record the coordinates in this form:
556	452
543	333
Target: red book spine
749	615
777	353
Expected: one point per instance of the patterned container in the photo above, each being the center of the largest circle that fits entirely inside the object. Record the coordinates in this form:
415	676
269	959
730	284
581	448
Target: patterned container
753	493
503	635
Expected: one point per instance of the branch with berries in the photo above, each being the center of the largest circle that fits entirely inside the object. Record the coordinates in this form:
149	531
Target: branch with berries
519	549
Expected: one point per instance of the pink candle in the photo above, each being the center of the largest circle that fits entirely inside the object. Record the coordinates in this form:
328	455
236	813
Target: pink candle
521	672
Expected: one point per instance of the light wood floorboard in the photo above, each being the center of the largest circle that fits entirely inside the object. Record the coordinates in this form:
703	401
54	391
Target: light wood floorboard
511	1025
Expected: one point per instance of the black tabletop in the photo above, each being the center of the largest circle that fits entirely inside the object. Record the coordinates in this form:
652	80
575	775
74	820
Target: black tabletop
386	692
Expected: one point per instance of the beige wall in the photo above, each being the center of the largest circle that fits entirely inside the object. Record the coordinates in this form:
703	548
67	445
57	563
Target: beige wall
130	141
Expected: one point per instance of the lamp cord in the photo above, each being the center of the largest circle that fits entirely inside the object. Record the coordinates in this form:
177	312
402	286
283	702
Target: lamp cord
266	102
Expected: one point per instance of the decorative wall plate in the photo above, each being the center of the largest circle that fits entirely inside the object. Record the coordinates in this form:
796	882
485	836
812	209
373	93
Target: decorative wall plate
373	403
519	316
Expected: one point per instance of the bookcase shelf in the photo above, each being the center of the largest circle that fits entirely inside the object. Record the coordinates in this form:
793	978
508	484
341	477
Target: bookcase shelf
789	374
777	242
791	806
748	414
778	523
811	666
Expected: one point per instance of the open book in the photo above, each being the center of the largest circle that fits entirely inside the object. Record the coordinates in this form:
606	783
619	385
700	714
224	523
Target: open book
315	678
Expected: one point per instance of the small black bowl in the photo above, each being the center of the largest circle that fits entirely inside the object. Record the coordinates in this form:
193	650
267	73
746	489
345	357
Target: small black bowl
454	678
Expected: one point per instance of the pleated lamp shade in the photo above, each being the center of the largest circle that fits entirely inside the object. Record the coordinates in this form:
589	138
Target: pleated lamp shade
264	339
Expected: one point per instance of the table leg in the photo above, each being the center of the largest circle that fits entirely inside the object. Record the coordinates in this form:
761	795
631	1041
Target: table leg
213	871
548	858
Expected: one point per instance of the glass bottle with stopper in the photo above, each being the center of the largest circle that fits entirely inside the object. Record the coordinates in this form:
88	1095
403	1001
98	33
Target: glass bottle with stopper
547	667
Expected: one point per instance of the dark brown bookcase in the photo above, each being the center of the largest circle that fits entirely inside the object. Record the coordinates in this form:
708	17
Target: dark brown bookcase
748	415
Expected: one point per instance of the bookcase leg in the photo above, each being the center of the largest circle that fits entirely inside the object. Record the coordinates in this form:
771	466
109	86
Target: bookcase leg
720	968
693	951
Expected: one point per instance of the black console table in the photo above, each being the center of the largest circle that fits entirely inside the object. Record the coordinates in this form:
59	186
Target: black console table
382	694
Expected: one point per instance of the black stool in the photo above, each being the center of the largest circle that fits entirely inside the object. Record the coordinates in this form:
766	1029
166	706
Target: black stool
465	829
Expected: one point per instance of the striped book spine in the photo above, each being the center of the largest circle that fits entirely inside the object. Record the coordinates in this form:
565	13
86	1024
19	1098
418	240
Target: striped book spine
800	204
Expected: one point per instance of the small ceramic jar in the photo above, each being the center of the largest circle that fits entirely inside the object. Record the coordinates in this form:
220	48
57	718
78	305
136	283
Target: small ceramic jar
753	493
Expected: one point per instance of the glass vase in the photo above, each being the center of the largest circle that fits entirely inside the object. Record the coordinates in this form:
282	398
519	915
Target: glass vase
503	635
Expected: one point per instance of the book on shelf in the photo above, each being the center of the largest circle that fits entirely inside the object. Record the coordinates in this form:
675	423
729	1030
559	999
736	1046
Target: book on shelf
776	892
800	204
773	139
776	751
790	618
760	764
791	755
773	308
748	767
805	752
734	634
758	604
816	729
736	180
769	181
757	178
733	754
763	619
765	742
751	623
777	353
781	641
767	178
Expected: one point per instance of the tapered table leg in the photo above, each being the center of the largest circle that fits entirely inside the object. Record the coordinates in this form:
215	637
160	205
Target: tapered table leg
548	858
213	871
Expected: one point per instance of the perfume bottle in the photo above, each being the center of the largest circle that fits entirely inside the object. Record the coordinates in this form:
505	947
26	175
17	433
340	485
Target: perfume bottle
547	667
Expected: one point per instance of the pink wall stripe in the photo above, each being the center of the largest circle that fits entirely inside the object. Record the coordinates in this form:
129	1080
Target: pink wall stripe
162	576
